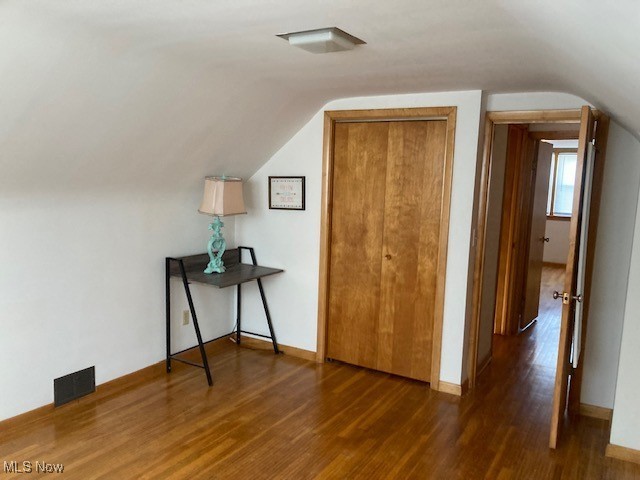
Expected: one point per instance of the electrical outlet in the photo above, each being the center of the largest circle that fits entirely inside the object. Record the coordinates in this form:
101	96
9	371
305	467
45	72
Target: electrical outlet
185	317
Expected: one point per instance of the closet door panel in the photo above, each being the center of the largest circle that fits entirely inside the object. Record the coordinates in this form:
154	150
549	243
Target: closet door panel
412	219
357	221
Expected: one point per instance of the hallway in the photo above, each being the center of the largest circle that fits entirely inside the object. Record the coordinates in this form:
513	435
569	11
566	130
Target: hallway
537	346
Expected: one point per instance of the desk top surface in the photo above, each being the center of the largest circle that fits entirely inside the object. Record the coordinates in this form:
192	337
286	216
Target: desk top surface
235	274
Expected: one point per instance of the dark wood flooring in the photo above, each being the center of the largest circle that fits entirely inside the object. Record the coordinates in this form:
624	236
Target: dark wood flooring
271	417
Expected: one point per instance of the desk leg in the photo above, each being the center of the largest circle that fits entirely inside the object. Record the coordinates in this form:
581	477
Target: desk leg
266	312
168	310
205	362
239	317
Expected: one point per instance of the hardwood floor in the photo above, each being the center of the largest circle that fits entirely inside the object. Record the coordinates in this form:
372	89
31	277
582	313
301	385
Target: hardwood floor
269	417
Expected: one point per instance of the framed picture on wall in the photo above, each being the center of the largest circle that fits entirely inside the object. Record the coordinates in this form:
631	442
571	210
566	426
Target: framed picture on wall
286	193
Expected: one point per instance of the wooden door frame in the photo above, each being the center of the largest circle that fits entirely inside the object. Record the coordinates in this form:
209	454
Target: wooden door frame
395	114
492	119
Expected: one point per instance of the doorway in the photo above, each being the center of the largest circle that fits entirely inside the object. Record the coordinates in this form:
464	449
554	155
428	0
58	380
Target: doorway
518	200
527	240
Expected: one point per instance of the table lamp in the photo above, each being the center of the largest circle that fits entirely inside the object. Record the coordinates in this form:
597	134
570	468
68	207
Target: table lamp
222	197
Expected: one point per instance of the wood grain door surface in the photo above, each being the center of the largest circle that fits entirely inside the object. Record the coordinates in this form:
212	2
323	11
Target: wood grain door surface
540	197
512	262
388	181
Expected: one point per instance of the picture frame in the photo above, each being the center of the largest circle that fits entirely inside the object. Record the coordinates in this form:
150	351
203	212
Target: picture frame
286	193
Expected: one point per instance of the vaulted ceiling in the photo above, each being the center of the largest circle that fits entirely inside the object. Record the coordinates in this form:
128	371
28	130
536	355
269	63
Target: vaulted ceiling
101	93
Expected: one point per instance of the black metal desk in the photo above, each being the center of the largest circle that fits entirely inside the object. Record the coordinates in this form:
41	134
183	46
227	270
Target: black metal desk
191	270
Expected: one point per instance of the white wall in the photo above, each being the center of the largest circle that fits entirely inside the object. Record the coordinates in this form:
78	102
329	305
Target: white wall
83	284
291	239
497	102
103	152
103	148
557	249
625	427
611	280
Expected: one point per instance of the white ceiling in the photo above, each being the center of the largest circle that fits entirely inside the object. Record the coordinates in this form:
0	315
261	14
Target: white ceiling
207	85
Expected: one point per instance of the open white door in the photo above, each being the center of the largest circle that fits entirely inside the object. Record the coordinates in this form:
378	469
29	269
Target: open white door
582	255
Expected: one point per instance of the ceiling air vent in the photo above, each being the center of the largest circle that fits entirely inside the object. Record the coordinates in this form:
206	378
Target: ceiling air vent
322	40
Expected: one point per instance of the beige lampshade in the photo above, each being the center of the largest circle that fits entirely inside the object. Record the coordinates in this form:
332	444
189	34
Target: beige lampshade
222	196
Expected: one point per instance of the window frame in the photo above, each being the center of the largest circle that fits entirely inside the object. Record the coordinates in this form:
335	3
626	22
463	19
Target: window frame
552	184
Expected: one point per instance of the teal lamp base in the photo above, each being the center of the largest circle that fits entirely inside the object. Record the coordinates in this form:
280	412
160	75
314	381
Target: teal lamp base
216	247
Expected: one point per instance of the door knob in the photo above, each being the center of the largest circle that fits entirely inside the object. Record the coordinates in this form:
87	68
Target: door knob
387	256
544	239
566	297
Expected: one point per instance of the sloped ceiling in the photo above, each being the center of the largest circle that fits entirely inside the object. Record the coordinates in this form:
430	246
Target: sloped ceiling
154	93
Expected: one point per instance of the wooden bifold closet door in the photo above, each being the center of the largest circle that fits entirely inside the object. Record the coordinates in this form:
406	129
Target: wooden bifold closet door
388	184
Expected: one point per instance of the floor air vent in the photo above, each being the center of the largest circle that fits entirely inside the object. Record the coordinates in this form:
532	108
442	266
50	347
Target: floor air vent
74	385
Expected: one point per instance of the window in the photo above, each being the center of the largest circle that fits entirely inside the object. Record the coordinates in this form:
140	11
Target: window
561	181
